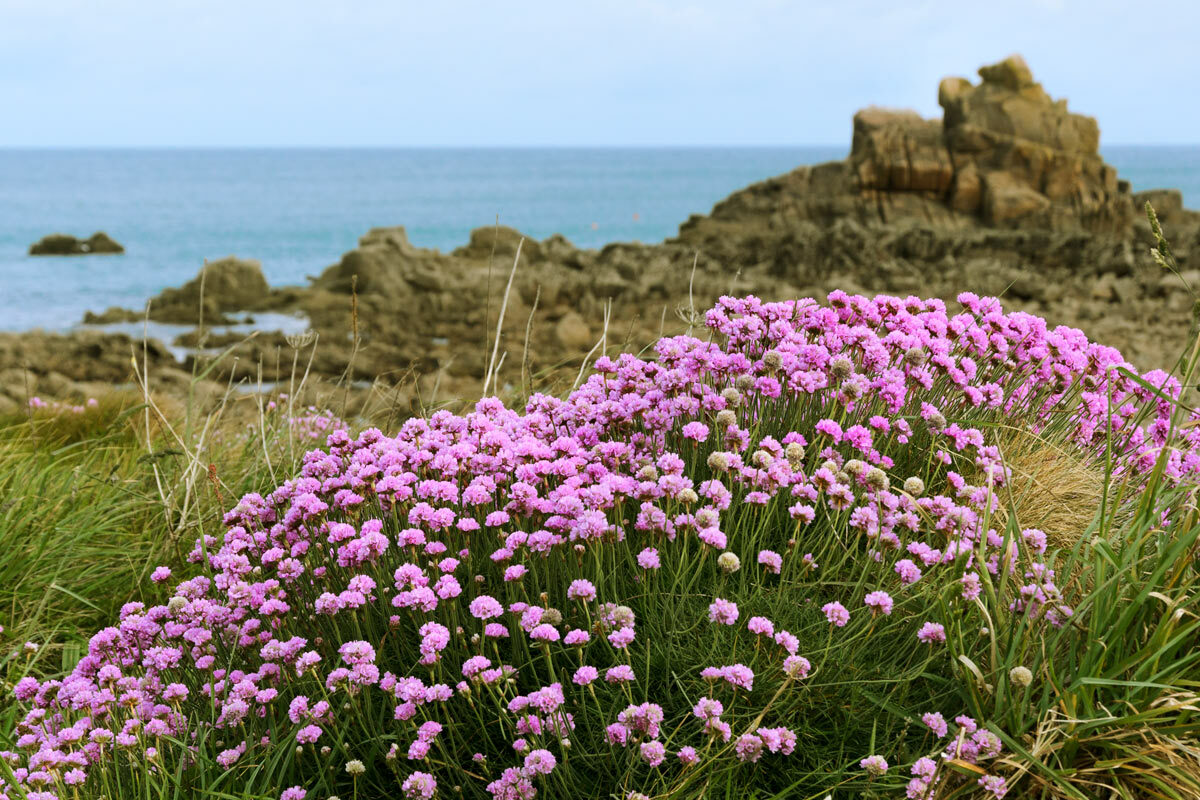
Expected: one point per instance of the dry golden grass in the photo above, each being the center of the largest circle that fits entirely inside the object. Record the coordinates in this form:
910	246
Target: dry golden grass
1052	487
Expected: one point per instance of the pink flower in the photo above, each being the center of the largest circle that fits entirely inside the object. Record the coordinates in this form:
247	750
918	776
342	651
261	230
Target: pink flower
936	723
874	765
540	762
696	431
761	626
622	673
621	638
653	752
648	559
419	786
544	633
748	747
796	667
932	632
485	607
836	613
723	612
879	602
581	590
771	560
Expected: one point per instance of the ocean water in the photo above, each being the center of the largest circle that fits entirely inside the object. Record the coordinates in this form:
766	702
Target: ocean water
297	211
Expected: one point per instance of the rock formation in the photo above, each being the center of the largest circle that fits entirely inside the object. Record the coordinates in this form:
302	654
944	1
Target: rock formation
60	244
1006	195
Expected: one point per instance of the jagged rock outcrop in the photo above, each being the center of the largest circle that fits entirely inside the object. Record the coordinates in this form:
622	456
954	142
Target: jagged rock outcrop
60	244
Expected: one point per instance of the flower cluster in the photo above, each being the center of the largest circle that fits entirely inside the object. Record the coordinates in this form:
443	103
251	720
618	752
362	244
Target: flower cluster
482	583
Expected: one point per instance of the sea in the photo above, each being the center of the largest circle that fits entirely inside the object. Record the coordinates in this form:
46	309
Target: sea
298	210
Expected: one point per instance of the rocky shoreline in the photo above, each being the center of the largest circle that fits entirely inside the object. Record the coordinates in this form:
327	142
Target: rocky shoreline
1006	195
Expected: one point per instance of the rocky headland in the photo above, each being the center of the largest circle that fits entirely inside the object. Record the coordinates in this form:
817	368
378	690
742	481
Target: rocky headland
1005	195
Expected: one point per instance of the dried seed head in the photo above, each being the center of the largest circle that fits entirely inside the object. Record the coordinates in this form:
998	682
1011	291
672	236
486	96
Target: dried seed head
718	461
725	418
914	486
729	562
795	454
744	382
733	398
1020	676
877	479
761	459
841	368
916	356
854	467
772	360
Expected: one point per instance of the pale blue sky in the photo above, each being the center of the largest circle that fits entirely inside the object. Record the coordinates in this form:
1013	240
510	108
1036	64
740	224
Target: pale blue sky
564	72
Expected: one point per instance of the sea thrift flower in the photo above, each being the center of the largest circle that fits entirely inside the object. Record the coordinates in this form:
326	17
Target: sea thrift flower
653	752
722	612
748	748
422	527
936	723
771	560
879	603
761	626
932	632
540	762
485	607
836	613
419	786
874	765
796	667
648	559
581	590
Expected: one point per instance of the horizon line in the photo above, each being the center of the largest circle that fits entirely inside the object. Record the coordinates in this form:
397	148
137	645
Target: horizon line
685	146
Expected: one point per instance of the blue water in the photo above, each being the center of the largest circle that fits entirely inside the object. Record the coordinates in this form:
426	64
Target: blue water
297	211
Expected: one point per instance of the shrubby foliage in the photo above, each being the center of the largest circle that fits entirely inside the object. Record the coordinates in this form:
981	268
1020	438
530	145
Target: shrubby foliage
789	562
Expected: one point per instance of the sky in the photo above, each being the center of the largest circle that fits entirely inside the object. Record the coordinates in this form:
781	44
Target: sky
133	73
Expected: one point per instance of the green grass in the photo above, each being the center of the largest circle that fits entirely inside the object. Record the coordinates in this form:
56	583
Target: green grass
90	505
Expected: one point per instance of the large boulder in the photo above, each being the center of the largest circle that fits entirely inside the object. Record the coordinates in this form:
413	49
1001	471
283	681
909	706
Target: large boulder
499	242
386	263
60	244
227	284
1042	162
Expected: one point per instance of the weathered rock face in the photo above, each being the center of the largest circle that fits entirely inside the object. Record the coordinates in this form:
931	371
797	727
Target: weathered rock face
228	284
60	244
1004	155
